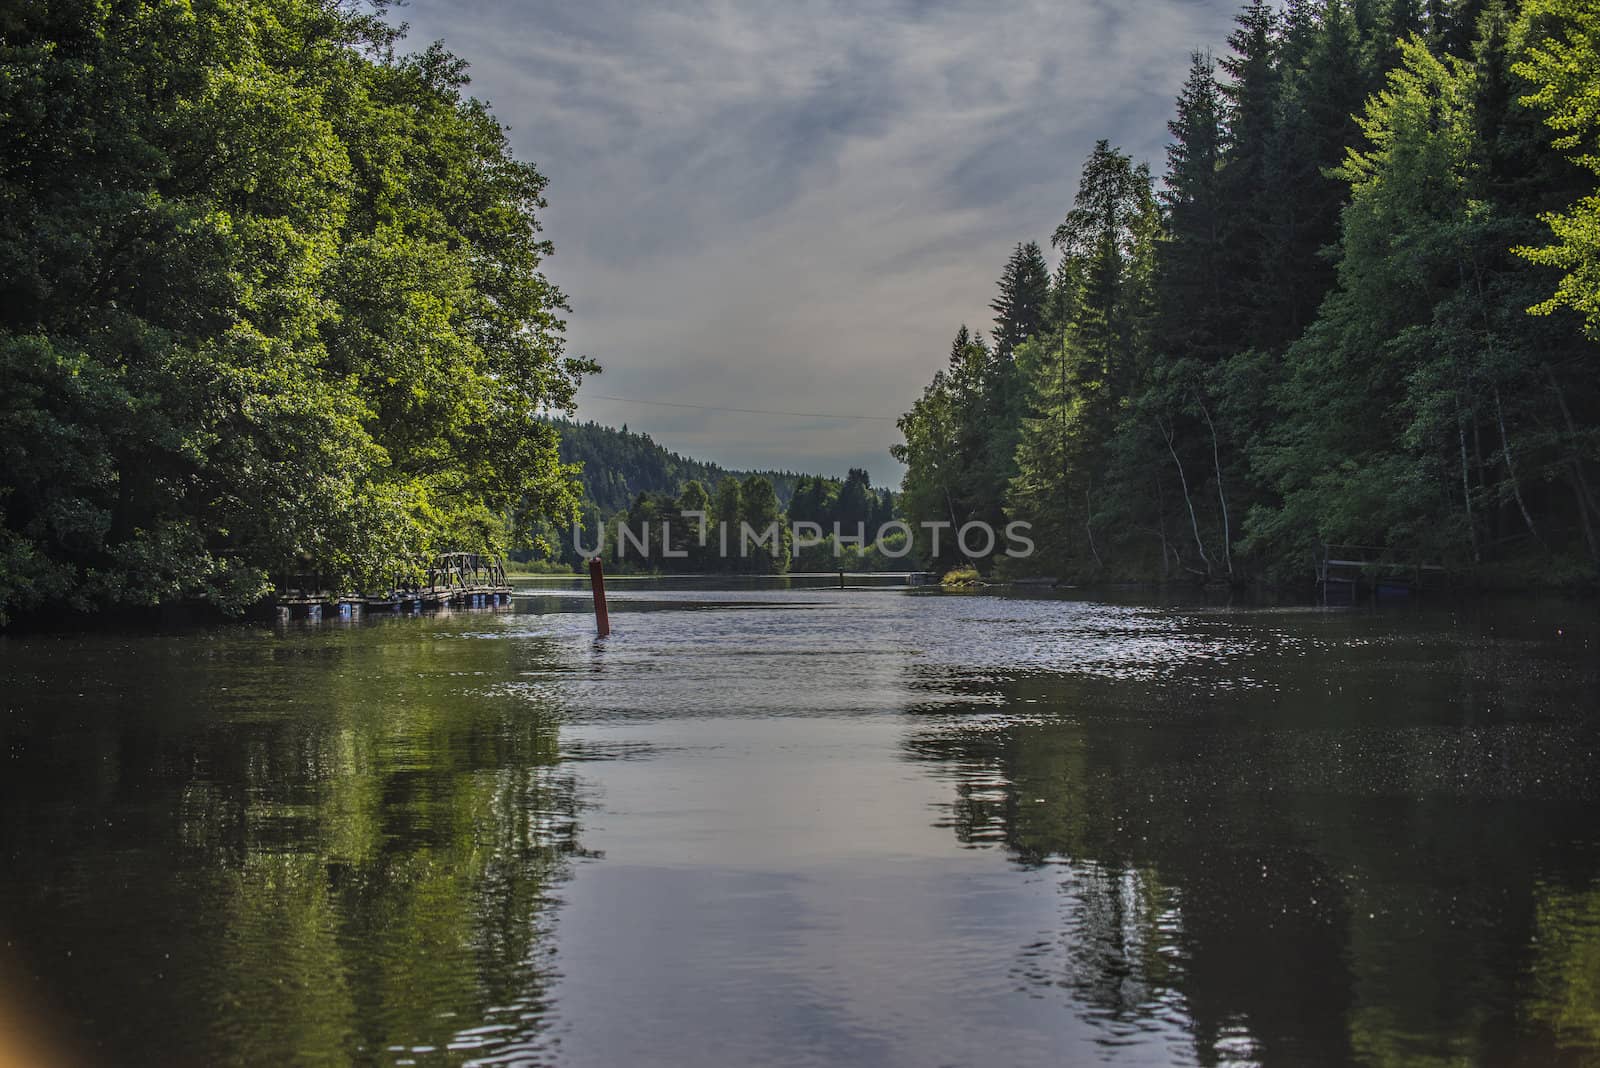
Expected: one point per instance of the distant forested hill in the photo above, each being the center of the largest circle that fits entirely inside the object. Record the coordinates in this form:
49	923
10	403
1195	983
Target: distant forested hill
629	480
618	465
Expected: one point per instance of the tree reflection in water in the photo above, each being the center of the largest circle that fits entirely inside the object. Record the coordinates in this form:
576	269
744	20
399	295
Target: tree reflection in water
350	860
1290	895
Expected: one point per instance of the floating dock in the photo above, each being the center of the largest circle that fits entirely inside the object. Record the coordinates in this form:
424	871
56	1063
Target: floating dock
1345	572
451	580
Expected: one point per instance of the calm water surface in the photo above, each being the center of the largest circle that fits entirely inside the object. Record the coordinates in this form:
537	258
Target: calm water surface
790	826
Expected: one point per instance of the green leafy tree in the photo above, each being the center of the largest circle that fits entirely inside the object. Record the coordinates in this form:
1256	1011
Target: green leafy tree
928	449
855	504
766	549
692	534
1462	452
273	304
1558	50
725	534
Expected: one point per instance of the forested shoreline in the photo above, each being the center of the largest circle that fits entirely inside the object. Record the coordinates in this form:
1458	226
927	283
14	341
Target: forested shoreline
629	481
1360	306
271	302
615	464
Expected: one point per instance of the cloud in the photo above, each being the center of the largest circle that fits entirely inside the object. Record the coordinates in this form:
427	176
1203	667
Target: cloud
794	205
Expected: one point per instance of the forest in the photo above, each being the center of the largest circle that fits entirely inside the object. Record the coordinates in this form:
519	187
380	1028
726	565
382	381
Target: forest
1359	306
271	301
615	465
628	480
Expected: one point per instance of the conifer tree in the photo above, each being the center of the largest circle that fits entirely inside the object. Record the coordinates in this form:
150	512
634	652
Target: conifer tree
1250	93
1020	308
1324	335
1080	383
1020	305
1194	307
1453	25
1320	99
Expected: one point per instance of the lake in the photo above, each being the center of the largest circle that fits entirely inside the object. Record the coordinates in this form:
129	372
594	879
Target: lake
788	825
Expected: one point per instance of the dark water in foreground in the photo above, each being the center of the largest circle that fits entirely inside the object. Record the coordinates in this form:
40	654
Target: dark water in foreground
811	827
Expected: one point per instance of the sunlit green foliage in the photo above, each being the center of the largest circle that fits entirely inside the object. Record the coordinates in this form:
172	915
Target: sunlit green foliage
1560	58
272	303
1320	333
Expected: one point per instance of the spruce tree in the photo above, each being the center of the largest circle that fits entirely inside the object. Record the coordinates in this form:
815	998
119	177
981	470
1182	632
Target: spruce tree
1319	102
1453	25
1020	308
1196	313
1250	94
1081	383
1020	305
958	346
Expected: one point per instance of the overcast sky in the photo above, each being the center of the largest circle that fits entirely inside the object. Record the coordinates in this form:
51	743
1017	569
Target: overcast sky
791	206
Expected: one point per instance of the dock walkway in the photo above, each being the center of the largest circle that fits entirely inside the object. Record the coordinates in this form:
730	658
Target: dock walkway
469	580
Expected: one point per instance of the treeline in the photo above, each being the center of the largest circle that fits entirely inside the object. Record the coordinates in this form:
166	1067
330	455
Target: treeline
616	465
629	480
270	303
1360	307
724	528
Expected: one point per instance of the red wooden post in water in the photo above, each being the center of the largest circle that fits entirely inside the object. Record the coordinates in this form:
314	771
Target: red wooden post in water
597	581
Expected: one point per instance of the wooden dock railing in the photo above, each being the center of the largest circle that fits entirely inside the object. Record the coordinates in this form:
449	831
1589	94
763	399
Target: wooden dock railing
474	579
1343	569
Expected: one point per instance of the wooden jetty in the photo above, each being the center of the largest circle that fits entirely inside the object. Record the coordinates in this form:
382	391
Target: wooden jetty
1345	572
468	580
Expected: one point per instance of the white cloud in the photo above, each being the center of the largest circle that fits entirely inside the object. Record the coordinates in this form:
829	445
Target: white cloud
794	205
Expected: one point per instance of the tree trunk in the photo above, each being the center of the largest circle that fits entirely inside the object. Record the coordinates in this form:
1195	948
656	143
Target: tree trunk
1466	491
1194	521
1088	526
1222	495
1580	478
1161	529
1511	470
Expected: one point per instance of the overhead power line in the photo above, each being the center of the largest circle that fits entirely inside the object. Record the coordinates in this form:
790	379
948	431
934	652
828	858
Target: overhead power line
744	411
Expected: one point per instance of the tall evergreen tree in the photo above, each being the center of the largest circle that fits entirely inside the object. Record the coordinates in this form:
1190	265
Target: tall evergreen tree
1405	18
1321	96
1019	307
1197	316
1113	213
1250	95
1110	235
1453	25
